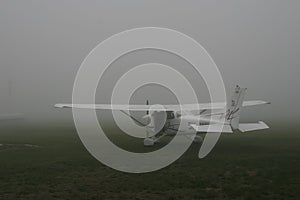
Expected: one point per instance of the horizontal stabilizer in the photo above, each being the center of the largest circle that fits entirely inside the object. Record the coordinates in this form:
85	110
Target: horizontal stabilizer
255	103
213	128
253	126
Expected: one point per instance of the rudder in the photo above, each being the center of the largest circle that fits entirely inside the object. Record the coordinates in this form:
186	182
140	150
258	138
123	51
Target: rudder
234	107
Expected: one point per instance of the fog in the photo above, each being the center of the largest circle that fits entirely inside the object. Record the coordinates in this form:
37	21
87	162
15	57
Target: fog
254	43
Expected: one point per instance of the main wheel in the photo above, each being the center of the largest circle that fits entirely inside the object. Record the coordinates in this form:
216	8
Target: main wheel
198	139
148	142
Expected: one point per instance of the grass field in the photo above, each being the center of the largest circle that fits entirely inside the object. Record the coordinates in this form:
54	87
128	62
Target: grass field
260	165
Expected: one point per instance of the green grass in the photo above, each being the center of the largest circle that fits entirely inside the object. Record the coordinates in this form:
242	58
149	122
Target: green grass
260	165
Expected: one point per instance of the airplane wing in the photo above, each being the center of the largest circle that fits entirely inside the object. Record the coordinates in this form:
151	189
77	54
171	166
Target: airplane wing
178	107
136	107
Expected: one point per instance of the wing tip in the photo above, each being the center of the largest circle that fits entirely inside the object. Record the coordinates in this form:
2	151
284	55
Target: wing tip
264	102
264	124
59	105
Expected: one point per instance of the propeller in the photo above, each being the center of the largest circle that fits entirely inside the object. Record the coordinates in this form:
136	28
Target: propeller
147	103
147	114
147	117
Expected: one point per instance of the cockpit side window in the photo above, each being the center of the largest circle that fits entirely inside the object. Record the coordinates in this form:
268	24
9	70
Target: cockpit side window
170	115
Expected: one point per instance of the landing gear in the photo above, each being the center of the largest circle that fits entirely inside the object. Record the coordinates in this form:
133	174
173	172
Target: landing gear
198	139
148	142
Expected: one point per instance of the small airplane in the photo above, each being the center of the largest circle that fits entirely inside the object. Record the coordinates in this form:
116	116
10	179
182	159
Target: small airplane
170	120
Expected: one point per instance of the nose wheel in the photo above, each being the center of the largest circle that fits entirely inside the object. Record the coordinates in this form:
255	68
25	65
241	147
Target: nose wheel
150	141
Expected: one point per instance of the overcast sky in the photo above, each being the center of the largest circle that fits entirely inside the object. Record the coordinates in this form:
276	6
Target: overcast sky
254	43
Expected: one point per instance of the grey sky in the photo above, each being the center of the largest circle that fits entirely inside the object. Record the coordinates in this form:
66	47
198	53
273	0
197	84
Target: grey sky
254	43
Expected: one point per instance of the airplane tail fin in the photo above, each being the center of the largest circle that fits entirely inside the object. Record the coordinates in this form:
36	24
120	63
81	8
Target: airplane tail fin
232	116
234	107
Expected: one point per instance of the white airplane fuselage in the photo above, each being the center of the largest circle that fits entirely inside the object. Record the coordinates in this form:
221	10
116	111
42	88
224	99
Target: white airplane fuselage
181	124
